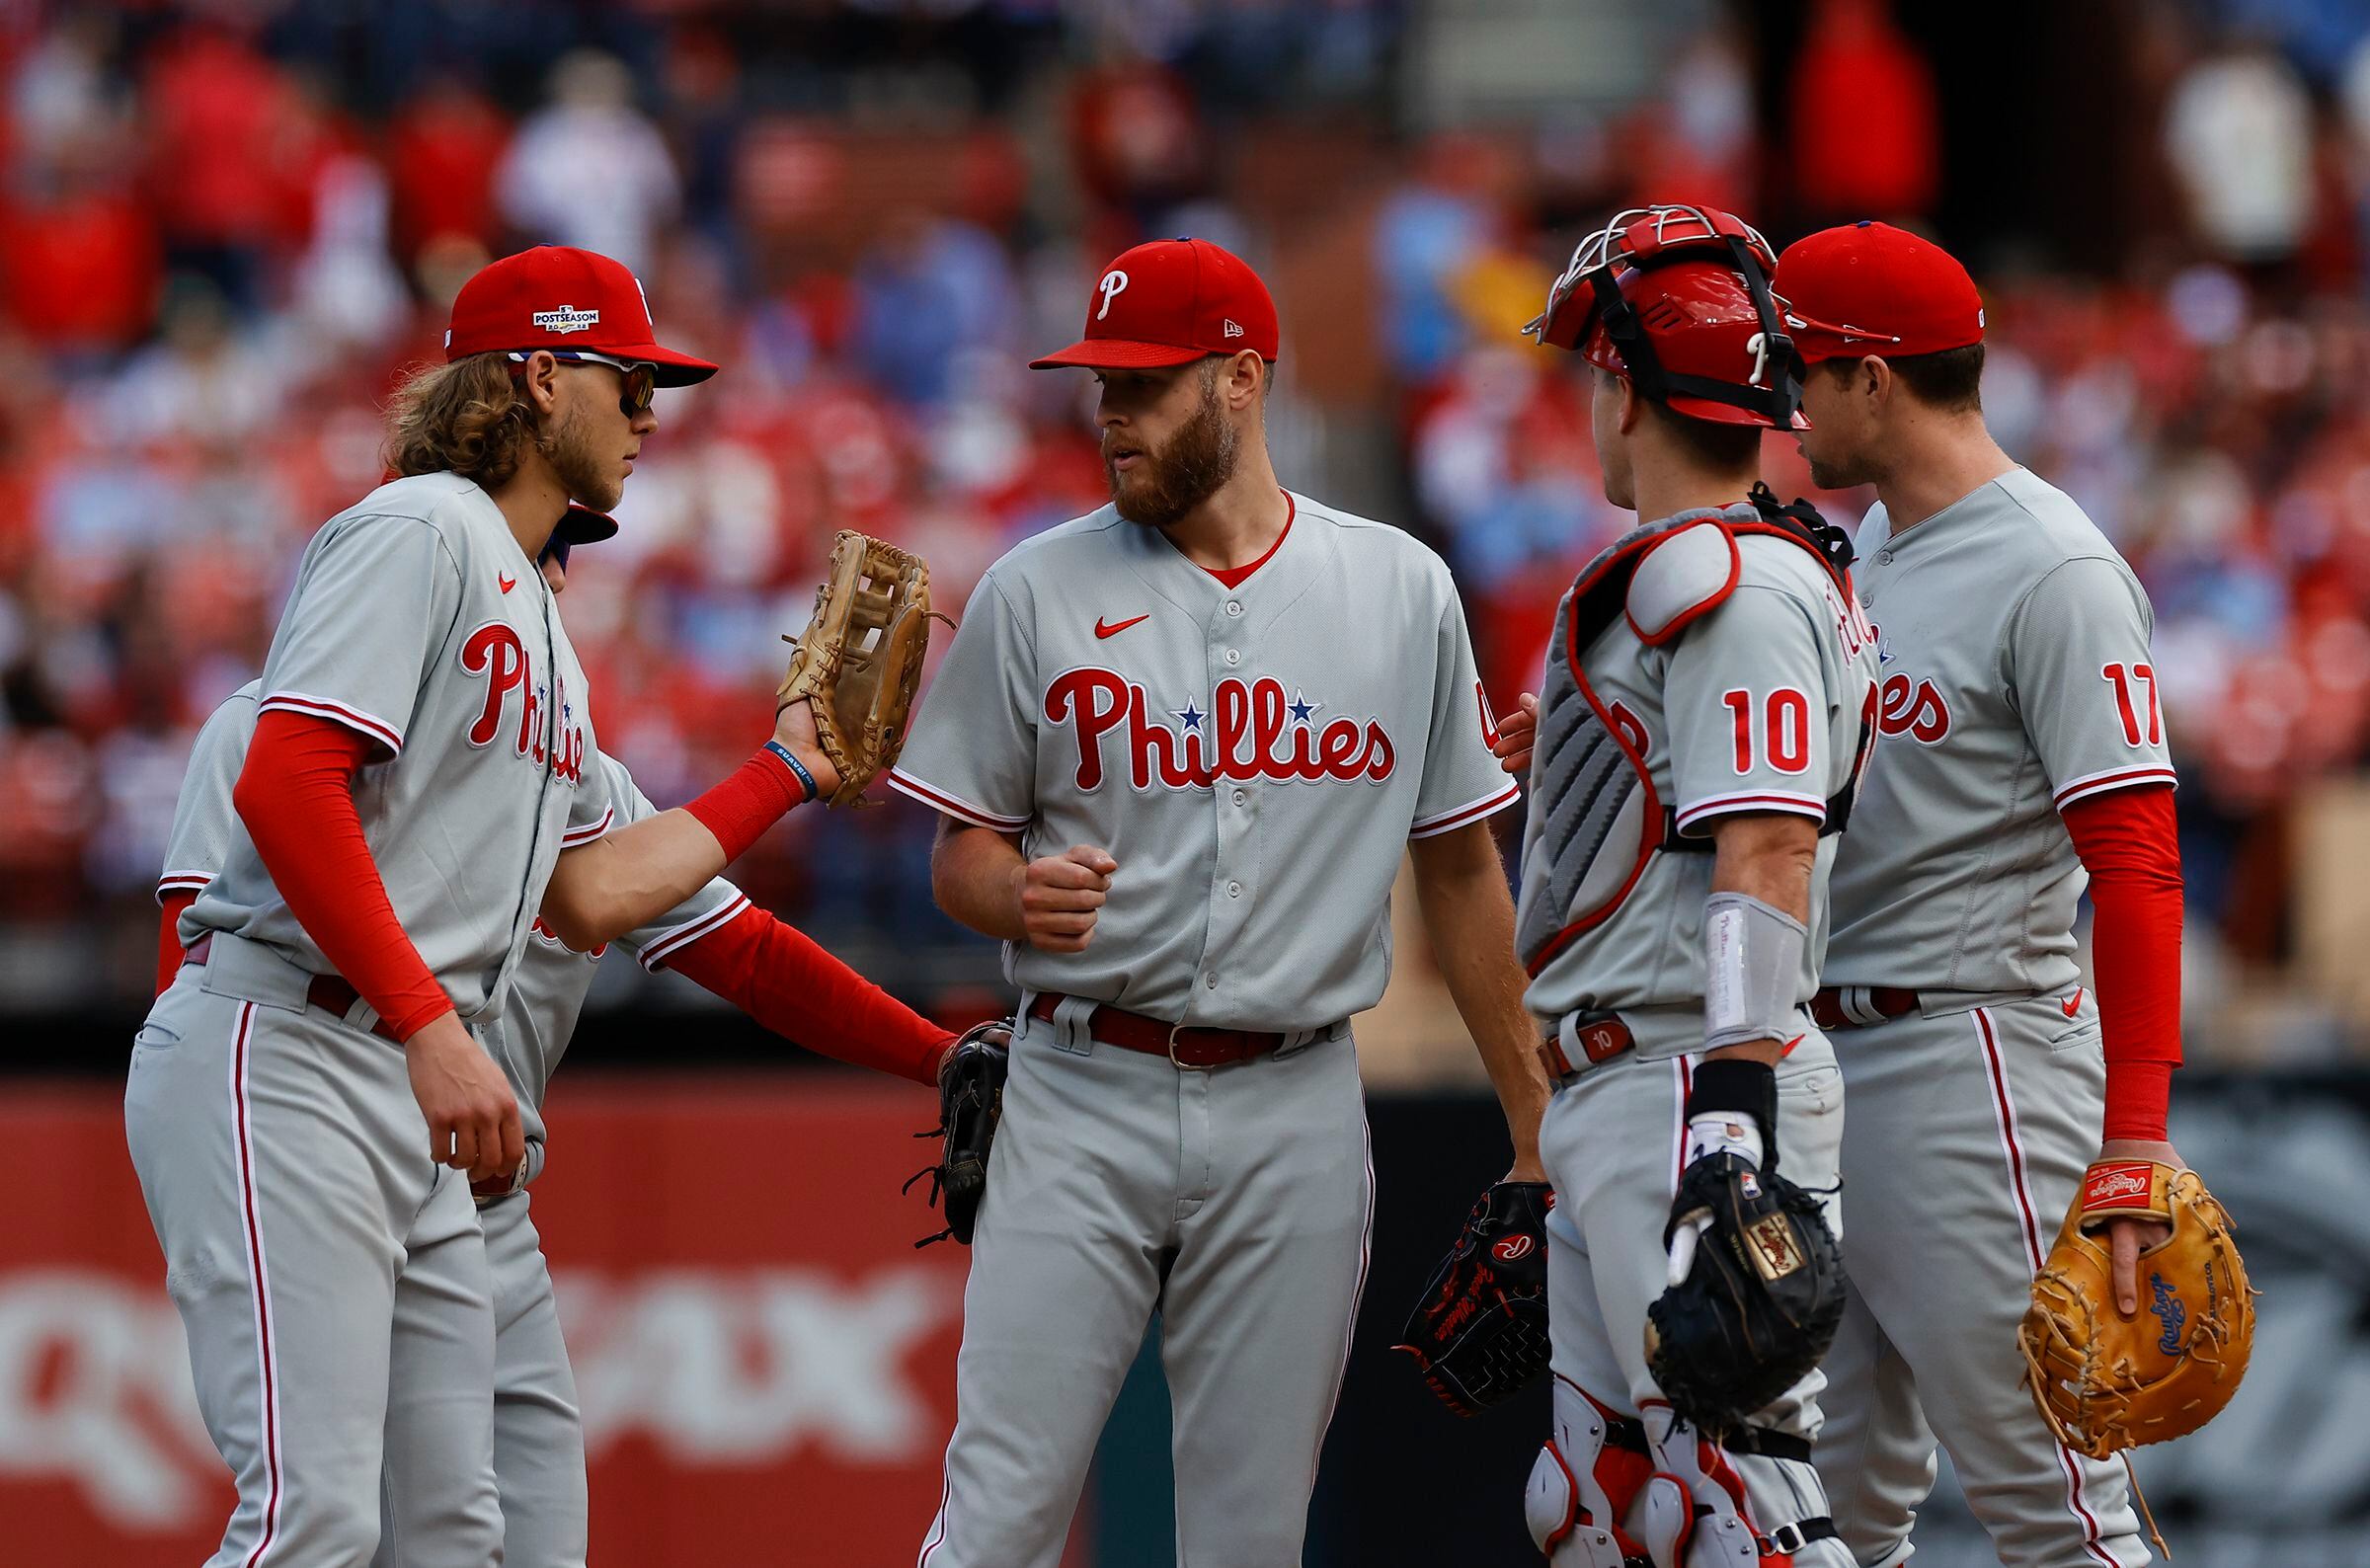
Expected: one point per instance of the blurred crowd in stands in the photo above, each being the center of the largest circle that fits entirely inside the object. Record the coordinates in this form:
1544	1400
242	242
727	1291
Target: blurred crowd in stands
225	229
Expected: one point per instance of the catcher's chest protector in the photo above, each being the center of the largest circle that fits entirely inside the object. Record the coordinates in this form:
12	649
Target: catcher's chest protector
1596	815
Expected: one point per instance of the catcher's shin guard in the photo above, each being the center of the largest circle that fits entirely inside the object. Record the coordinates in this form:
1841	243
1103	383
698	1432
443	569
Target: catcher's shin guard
1691	1511
1583	1483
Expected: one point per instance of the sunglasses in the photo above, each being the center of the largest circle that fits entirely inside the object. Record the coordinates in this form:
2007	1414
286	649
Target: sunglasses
641	379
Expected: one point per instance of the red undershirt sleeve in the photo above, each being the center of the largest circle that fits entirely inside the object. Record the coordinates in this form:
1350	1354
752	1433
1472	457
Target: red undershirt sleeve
167	938
295	796
778	976
2127	840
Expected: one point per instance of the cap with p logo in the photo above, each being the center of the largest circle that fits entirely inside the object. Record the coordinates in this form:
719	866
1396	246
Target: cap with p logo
1171	302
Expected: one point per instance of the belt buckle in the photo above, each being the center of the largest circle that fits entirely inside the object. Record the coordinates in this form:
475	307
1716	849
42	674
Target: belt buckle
1788	1538
1175	1030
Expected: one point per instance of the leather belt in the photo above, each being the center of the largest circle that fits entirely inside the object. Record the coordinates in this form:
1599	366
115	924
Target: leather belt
329	992
1860	1006
1188	1045
1601	1037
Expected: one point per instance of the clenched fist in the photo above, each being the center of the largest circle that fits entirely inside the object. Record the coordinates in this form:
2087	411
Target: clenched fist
1059	894
1515	731
472	1116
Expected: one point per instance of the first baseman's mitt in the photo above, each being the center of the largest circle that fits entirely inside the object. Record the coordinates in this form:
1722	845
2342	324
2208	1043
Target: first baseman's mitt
1760	1301
971	1101
1479	1331
2105	1381
860	658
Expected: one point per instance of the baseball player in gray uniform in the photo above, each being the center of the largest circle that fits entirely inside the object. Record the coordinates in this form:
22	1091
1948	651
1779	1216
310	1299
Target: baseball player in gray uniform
416	774
2022	743
1180	746
719	938
1705	713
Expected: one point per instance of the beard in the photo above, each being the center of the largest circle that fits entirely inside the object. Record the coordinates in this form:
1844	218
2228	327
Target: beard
1838	470
1166	484
587	476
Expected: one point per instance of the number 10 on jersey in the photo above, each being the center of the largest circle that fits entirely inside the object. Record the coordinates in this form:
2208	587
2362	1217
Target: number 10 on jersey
1784	728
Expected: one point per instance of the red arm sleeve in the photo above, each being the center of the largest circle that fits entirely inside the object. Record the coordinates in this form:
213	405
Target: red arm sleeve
167	938
295	796
778	976
2127	840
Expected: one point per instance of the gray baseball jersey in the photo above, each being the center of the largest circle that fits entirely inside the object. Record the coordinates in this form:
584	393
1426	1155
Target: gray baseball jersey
332	1280
1254	759
1735	676
1757	706
416	621
538	1440
2016	679
548	993
205	822
548	989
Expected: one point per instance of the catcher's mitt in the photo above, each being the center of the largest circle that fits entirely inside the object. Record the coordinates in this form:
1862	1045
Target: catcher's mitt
2105	1381
1760	1302
1479	1331
971	1101
860	658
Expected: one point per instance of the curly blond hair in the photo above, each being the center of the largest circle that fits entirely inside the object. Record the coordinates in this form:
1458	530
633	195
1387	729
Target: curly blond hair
464	418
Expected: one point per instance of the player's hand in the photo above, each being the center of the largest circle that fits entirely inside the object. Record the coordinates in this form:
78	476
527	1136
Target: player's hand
1515	733
794	727
2129	1238
1059	894
472	1116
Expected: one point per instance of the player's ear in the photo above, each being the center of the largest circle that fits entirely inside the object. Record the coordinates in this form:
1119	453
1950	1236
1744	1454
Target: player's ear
1246	379
539	381
1874	380
1634	407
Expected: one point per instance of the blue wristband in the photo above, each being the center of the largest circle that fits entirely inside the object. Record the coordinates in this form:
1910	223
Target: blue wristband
795	766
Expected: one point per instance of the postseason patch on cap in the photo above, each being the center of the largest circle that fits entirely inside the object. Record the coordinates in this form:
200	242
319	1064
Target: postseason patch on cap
566	319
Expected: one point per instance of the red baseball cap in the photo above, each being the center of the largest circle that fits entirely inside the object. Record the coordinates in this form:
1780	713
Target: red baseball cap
561	298
1896	293
1171	302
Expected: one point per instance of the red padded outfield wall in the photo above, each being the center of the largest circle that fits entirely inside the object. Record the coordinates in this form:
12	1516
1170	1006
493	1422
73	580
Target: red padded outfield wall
765	1362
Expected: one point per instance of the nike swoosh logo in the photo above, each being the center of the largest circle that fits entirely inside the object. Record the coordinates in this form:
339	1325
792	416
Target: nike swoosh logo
507	583
1102	630
2072	1004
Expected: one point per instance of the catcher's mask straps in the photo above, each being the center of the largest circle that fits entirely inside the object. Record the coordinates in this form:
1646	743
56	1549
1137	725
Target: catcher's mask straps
1071	1015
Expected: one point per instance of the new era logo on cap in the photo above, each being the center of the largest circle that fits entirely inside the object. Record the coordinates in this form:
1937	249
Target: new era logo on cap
1233	330
566	319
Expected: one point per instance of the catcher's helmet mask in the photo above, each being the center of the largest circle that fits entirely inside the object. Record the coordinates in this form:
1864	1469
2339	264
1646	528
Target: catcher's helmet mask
1641	240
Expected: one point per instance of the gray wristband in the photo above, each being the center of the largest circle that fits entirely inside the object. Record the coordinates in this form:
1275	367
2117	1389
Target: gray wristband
1753	968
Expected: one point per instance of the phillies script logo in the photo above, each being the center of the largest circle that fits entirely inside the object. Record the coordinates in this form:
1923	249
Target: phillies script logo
1917	710
1251	733
495	652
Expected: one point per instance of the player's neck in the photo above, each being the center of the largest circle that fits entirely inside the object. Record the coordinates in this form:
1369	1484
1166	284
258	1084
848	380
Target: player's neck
1666	489
532	500
1938	461
1241	520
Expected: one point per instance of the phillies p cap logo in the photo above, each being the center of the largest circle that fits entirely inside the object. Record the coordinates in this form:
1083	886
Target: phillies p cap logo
1114	284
